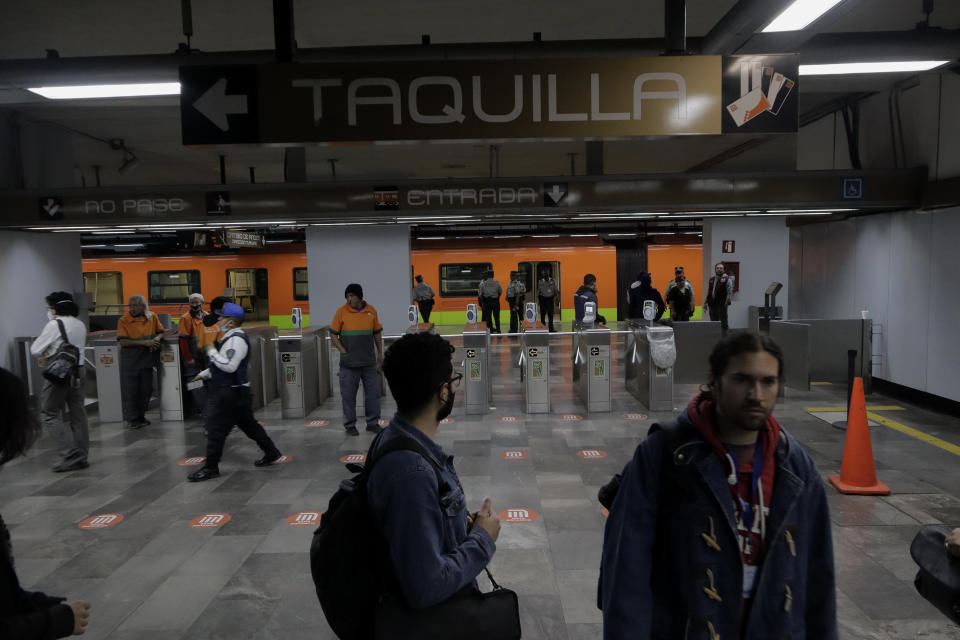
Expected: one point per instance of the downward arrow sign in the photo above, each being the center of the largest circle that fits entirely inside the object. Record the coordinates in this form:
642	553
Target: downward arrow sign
556	194
215	104
51	207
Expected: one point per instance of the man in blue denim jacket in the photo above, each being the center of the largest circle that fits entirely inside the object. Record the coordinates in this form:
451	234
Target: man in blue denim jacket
436	546
720	528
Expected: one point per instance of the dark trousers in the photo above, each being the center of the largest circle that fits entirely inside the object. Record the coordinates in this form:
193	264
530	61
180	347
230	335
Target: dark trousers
136	387
516	313
72	438
350	378
546	311
719	312
232	406
426	306
491	313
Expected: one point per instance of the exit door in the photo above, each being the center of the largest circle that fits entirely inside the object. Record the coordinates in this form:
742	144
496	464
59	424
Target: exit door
250	291
532	272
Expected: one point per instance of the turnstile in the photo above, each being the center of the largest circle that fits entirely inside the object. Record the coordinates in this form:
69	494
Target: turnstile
650	384
591	366
298	373
477	383
262	367
535	367
28	367
324	389
170	381
106	360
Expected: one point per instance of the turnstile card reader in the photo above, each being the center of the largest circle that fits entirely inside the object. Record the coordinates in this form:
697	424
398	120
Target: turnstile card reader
591	366
535	366
530	313
472	317
648	382
477	383
106	359
298	374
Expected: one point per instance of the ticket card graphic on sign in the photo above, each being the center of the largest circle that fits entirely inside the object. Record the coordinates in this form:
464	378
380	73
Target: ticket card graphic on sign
748	107
760	91
475	371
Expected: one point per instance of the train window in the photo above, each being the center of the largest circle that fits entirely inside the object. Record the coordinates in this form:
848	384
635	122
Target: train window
170	287
105	289
462	279
300	290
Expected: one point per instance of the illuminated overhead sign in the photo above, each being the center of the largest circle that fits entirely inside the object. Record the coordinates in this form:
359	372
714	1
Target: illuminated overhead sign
485	99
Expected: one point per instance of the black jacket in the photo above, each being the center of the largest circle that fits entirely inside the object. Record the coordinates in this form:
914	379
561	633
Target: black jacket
637	294
26	615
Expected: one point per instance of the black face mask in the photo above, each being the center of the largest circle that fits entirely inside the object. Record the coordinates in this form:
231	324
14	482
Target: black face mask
210	319
446	407
196	312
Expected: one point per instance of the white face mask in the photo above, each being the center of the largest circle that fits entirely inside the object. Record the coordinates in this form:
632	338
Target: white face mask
49	314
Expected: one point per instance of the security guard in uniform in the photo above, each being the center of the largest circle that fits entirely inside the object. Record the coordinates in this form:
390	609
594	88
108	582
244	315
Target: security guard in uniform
516	296
230	390
489	293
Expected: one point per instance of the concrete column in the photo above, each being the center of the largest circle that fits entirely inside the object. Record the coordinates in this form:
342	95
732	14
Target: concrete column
762	247
374	256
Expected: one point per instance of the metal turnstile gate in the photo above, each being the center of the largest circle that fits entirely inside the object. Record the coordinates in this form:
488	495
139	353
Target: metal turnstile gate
591	367
106	360
298	371
262	367
535	367
477	383
648	383
169	380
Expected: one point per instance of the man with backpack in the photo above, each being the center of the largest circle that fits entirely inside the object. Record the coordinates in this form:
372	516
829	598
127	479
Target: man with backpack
64	326
720	527
401	528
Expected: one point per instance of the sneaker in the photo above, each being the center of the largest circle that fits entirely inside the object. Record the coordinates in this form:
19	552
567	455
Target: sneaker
203	473
71	465
137	424
266	461
374	428
352	431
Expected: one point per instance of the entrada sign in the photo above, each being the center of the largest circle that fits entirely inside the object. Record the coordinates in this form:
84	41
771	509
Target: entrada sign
468	100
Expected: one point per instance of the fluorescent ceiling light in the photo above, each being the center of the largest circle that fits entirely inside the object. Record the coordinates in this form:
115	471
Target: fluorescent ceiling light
507	236
804	210
892	66
796	213
705	213
799	14
548	235
129	245
621	235
93	246
431	238
75	92
110	233
584	235
663	233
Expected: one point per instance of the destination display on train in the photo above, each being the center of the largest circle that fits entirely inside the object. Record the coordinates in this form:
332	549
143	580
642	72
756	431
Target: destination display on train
488	99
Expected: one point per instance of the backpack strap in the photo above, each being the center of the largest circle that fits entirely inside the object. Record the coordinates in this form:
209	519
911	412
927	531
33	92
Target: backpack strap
63	332
403	443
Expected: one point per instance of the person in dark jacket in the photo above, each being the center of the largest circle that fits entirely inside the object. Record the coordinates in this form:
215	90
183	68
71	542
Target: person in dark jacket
436	546
720	526
587	293
639	292
27	615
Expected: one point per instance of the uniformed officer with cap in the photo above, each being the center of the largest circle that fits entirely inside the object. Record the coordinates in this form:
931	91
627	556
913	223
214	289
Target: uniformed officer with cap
230	389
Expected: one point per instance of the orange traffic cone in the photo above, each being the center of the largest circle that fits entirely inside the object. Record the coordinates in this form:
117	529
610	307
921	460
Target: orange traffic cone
857	472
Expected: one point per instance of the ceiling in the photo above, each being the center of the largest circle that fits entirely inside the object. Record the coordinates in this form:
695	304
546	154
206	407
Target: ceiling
151	127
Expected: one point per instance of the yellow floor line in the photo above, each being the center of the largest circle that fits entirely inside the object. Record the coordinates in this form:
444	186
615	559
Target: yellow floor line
874	407
919	435
820	384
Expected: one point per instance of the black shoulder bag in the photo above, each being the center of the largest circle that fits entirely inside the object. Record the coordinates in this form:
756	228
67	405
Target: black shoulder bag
938	580
62	366
466	615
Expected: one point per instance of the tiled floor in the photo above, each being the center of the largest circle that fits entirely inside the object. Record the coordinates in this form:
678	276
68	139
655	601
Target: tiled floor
153	576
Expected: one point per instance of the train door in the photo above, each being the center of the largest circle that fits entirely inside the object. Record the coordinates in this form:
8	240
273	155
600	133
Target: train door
105	290
251	292
530	275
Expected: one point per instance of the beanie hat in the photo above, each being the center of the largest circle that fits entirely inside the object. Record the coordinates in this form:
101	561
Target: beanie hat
355	289
195	296
644	278
231	310
589	279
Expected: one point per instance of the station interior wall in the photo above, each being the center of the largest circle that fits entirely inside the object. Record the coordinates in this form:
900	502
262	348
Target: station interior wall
928	108
900	268
375	256
33	264
761	247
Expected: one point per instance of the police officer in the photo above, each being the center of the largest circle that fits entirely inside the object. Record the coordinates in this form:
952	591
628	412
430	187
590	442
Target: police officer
516	296
546	292
423	296
489	293
230	390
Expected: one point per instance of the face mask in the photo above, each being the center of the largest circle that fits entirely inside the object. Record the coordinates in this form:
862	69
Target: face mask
195	312
49	314
446	407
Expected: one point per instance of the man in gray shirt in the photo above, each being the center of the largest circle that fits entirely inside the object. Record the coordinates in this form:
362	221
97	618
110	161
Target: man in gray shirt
423	296
489	293
516	296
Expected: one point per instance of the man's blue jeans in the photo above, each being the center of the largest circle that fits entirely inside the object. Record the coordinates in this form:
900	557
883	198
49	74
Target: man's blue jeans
350	378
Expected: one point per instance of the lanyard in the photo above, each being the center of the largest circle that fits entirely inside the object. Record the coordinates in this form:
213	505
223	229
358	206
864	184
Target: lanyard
746	506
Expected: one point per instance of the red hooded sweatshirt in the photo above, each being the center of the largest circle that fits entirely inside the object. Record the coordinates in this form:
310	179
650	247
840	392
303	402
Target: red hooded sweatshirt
701	411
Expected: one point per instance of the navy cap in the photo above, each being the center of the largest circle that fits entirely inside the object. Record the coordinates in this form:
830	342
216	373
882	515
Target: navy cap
231	310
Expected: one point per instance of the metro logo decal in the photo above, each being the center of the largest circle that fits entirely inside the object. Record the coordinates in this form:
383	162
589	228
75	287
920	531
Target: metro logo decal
514	455
634	416
192	462
356	458
101	521
518	514
316	423
210	521
305	519
507	419
570	417
591	454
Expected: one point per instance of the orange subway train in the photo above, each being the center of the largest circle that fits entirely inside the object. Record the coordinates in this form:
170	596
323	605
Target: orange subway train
268	284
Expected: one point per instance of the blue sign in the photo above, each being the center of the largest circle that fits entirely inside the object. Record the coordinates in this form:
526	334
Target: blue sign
853	188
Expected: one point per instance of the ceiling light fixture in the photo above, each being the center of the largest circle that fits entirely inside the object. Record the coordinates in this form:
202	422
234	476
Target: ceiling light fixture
111	233
621	235
546	235
795	213
891	66
80	92
500	237
584	235
799	14
431	238
803	210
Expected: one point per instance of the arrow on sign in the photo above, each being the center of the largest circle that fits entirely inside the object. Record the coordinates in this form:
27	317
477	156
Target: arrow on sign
51	207
216	105
556	193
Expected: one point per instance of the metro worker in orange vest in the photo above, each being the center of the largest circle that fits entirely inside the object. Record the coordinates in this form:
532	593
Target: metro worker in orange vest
231	399
195	336
357	334
139	333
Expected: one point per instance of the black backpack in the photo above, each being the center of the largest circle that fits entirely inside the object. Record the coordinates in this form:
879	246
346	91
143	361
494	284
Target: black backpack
64	365
349	558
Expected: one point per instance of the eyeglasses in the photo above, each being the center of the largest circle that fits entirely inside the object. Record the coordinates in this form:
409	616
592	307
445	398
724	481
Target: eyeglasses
454	382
